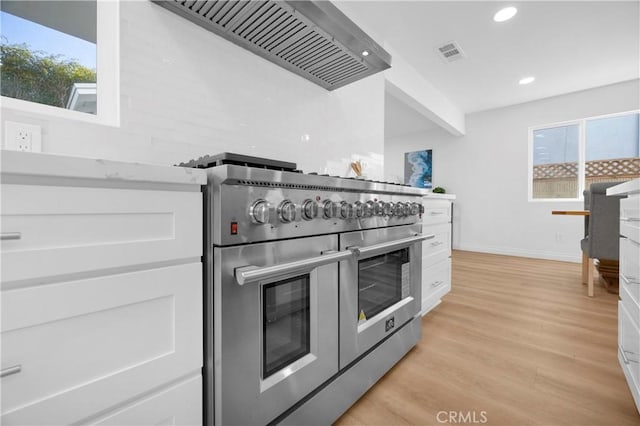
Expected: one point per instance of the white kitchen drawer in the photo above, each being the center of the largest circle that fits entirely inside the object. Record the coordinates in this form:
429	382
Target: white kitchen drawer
436	282
436	211
629	345
628	334
630	267
630	208
631	230
630	217
438	248
179	404
631	372
630	304
632	292
88	345
65	230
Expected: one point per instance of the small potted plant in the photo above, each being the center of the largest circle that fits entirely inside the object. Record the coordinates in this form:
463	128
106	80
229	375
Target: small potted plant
439	190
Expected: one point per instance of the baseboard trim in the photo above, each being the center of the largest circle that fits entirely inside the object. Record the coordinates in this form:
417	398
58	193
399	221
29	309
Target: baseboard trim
510	251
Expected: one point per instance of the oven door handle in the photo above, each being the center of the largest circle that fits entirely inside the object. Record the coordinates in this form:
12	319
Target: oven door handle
250	274
390	246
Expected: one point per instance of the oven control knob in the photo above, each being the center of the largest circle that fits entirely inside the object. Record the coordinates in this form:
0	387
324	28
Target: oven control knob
387	209
414	209
259	212
368	210
346	210
398	209
329	209
377	208
358	209
287	211
309	209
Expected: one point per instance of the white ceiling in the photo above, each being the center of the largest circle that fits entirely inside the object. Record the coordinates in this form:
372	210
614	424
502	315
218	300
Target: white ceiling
567	46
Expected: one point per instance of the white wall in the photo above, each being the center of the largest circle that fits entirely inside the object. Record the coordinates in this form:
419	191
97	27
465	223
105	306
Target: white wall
186	92
487	170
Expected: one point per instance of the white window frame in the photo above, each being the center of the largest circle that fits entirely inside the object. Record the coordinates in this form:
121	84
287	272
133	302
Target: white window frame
582	143
108	72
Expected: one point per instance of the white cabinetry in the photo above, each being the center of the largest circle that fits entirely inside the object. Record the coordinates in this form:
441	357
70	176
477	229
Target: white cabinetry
629	304
436	252
101	292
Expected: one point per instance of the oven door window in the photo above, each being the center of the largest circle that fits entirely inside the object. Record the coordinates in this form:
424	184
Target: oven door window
382	281
285	323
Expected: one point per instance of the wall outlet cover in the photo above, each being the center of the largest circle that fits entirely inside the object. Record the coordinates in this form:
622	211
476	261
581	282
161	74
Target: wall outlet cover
22	137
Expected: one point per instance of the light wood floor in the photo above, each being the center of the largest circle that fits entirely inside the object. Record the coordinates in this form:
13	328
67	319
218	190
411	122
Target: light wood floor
516	338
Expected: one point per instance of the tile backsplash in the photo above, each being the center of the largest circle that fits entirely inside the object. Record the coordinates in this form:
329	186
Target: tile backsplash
186	92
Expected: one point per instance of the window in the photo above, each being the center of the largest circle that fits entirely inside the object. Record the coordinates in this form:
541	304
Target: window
381	283
566	158
286	323
51	62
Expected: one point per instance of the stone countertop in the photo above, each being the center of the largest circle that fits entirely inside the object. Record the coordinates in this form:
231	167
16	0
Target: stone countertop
61	166
436	196
630	187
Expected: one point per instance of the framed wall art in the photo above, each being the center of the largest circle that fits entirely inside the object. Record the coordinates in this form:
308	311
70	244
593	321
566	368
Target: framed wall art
418	168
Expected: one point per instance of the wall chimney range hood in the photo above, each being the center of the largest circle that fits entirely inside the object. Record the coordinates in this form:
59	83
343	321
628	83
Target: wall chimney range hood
311	38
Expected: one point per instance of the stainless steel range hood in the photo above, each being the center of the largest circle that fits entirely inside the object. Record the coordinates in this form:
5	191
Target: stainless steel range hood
312	38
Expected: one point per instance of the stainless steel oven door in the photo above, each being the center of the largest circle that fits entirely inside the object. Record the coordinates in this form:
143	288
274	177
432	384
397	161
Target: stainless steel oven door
380	287
275	326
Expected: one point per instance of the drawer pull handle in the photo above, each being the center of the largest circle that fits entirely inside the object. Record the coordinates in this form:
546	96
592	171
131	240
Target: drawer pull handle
10	370
624	356
436	213
630	280
436	283
10	236
436	243
630	219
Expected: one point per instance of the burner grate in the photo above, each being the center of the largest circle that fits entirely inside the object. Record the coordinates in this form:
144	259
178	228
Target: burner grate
207	161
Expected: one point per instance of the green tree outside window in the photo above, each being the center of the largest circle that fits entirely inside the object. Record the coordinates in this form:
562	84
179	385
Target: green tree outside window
37	77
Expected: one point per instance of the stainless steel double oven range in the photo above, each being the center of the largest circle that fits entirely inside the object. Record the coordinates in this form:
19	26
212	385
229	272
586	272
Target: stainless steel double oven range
312	289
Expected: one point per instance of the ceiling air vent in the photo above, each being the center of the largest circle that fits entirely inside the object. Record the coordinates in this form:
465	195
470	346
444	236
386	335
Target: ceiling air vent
310	38
451	51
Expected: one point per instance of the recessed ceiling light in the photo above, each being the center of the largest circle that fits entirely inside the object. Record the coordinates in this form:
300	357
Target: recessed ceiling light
365	53
505	14
526	80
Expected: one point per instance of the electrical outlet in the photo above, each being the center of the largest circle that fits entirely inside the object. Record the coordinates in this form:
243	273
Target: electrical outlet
23	140
22	137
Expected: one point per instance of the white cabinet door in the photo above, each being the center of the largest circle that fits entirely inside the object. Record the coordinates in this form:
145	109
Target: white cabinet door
436	252
436	211
630	217
438	248
85	346
630	272
436	282
180	404
629	350
64	230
